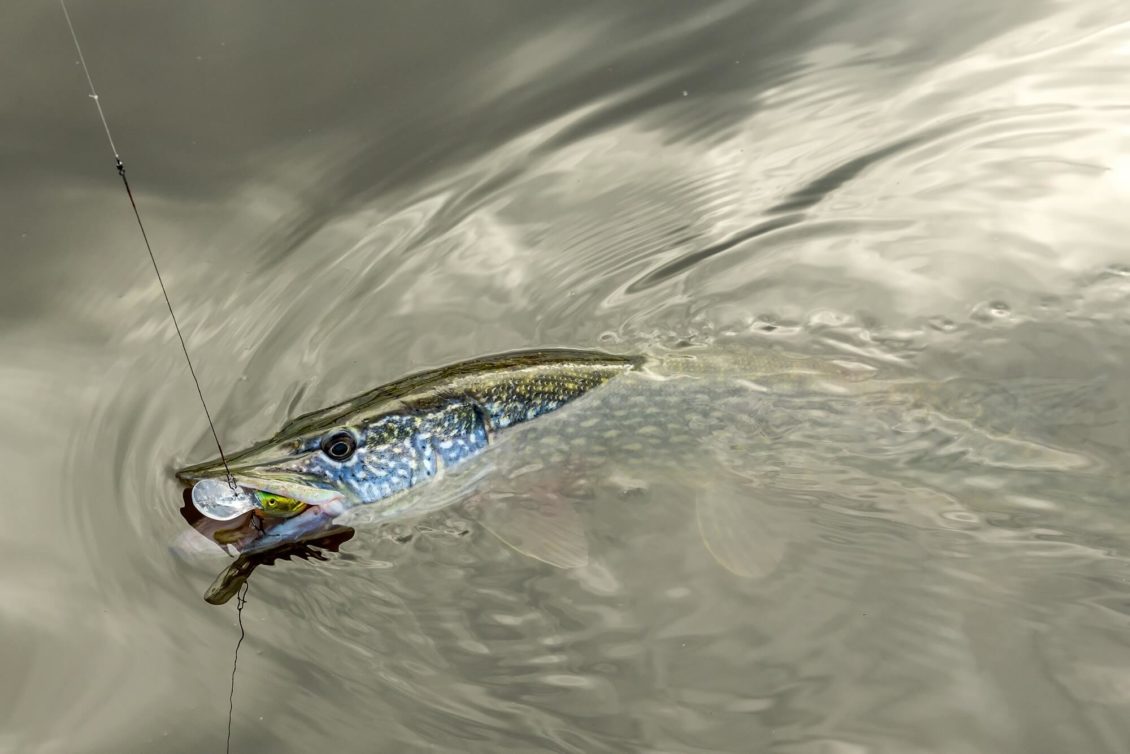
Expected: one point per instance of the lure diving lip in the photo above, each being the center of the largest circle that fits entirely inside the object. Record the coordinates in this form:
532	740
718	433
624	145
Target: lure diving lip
219	501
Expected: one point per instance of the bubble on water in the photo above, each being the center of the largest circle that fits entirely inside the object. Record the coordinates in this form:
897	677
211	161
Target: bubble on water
991	311
764	325
608	336
827	318
942	324
770	324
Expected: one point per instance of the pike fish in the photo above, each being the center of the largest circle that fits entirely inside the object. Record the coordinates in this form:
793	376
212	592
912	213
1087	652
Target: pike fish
513	435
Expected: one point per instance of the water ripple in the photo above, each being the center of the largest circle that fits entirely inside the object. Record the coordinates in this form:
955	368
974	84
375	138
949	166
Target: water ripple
339	198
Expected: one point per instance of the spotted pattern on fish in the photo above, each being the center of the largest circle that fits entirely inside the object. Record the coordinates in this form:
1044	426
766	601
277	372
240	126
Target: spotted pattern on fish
409	431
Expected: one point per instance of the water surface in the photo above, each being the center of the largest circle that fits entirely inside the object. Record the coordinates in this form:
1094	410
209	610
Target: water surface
344	193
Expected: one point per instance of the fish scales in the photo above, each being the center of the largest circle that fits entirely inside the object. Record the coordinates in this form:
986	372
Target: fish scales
698	416
408	431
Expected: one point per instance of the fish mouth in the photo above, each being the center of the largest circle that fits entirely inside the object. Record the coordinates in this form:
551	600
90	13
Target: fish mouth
215	497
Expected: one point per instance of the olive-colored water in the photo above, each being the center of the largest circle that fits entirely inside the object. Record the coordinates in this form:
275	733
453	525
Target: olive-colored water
342	193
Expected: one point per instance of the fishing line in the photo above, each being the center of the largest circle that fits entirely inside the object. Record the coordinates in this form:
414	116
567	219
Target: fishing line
241	599
145	237
240	602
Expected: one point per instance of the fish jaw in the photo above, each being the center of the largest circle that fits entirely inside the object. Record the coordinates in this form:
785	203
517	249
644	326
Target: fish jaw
288	493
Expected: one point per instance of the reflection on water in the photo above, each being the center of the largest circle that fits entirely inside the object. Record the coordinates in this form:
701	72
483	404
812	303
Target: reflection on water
342	195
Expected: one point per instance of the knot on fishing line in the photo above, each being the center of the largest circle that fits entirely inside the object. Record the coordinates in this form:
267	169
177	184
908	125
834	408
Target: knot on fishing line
121	166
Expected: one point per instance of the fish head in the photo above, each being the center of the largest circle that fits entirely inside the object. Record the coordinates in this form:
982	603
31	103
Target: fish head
282	476
383	442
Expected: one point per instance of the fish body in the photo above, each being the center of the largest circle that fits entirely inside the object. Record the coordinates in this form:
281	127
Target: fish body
718	418
403	434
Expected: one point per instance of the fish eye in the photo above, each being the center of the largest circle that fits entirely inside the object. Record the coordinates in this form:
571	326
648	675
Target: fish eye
339	446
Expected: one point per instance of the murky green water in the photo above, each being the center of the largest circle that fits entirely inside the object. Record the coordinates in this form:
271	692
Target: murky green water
344	193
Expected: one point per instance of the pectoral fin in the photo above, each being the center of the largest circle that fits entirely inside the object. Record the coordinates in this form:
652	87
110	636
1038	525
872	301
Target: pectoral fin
541	525
740	527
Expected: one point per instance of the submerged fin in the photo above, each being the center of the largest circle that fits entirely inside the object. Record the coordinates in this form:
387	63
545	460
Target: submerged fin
737	526
1029	403
540	525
